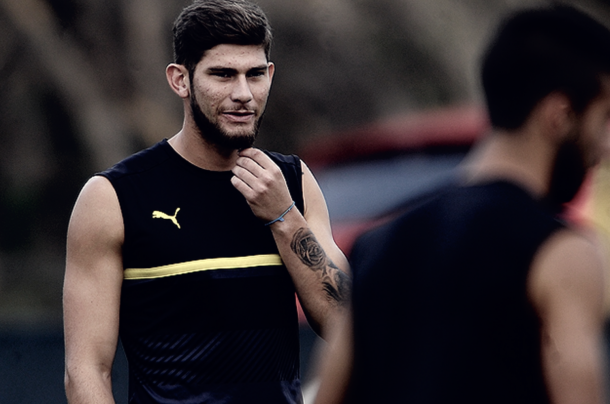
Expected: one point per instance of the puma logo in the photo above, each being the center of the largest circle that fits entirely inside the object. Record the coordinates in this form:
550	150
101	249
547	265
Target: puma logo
160	215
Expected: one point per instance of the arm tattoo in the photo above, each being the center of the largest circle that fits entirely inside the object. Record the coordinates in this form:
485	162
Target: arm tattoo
336	283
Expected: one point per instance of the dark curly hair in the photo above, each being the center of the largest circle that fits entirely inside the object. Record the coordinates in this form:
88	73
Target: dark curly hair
208	23
539	51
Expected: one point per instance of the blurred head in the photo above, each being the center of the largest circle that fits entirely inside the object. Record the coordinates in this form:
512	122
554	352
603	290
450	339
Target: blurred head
539	51
208	23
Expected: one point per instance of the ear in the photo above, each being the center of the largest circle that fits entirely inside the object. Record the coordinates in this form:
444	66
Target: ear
178	79
557	116
271	68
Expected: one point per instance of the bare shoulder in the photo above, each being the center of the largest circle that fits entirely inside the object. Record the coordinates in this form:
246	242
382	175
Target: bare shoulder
96	216
307	174
570	265
312	194
96	193
315	209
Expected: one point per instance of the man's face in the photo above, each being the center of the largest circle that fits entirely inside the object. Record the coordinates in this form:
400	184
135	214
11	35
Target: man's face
229	91
583	149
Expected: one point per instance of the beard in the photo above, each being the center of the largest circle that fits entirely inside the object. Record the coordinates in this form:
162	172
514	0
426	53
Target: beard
568	175
214	134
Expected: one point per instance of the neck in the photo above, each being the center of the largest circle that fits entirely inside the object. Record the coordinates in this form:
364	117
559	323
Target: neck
518	157
189	144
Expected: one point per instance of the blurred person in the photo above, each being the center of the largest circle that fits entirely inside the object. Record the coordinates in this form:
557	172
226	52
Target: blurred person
482	293
191	250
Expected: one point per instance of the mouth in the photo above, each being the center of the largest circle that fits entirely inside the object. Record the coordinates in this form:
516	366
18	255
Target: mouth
239	116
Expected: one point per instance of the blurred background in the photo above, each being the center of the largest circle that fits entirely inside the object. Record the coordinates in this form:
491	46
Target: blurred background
380	98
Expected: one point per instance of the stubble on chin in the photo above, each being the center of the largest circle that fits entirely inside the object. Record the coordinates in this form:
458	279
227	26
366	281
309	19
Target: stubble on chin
213	133
568	173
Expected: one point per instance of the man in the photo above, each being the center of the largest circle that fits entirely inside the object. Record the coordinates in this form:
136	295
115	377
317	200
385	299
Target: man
480	294
192	250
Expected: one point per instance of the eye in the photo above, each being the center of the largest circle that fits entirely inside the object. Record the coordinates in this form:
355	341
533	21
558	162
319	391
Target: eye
222	73
256	73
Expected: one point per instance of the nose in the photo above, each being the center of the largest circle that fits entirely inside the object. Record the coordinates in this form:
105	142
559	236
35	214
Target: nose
241	90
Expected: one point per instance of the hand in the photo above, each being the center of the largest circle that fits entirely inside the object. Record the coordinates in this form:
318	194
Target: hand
262	183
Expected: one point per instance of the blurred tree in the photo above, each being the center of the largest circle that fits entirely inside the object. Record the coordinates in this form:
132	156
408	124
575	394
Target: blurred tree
82	85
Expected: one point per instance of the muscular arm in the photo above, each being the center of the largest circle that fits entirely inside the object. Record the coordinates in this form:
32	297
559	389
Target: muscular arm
566	287
304	239
91	294
335	364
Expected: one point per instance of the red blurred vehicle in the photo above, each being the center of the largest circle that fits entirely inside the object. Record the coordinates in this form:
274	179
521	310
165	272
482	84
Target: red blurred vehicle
369	172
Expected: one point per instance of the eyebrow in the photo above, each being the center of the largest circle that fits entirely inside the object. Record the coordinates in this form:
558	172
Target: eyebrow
231	70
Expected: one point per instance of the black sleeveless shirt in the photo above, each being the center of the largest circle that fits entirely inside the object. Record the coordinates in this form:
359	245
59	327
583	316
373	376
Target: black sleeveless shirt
208	312
441	312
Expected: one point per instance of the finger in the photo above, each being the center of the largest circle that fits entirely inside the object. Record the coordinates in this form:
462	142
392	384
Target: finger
249	164
242	187
266	175
245	175
260	165
258	156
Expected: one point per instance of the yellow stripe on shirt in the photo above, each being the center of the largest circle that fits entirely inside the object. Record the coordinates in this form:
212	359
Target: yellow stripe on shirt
210	264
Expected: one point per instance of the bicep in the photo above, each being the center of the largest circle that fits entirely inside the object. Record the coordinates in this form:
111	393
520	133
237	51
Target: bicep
318	220
566	287
93	276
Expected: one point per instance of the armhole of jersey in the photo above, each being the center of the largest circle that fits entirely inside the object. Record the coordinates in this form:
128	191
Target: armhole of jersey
293	173
300	203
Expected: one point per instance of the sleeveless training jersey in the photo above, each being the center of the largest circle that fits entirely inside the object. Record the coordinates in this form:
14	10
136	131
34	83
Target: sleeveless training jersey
441	312
208	312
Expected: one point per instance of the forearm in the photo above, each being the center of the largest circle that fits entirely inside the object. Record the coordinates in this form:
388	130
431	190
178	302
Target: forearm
323	285
335	365
88	386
